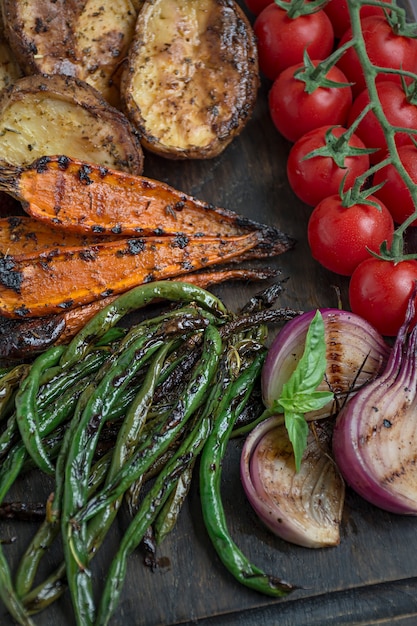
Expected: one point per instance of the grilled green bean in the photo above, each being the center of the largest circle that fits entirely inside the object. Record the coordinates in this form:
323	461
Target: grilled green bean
27	411
158	442
135	299
210	476
152	503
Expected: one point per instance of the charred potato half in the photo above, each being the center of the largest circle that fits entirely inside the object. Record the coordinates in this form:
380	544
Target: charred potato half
87	39
46	115
191	80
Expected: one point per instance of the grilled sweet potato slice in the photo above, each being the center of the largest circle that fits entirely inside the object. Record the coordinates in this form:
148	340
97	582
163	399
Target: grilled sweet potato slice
191	80
87	39
51	282
58	114
82	197
20	339
24	236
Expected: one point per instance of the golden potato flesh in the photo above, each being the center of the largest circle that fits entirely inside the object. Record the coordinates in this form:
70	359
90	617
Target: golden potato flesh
191	81
55	114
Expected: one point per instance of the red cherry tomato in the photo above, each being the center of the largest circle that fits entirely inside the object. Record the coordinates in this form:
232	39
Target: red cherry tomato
379	291
384	47
296	112
339	237
316	178
282	40
395	194
338	12
256	6
398	111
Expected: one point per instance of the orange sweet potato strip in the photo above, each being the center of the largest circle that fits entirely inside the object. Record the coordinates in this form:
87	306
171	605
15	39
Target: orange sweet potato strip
88	198
22	338
57	280
21	236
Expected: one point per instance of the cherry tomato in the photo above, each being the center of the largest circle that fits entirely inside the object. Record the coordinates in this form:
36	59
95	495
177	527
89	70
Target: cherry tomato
295	112
398	111
379	291
339	236
338	12
316	178
384	47
395	194
256	6
282	40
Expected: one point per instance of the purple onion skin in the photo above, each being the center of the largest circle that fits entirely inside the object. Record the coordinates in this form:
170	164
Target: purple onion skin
374	435
340	326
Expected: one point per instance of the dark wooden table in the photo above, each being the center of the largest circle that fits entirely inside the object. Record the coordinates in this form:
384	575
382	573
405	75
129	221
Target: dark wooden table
371	578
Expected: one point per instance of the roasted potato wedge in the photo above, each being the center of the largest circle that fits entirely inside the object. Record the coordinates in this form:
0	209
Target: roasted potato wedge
46	115
87	39
191	80
10	70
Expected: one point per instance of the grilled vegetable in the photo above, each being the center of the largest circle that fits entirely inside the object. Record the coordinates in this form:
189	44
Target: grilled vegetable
87	198
9	69
22	338
88	40
57	280
191	80
58	114
21	235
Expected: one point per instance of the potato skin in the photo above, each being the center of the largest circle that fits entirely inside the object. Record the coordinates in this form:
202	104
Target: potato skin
44	115
87	39
191	80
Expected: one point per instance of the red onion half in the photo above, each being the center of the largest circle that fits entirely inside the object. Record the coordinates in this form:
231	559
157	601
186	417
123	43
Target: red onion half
375	435
302	507
356	353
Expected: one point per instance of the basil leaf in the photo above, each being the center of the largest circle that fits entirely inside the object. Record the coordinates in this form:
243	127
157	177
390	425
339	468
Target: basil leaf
299	394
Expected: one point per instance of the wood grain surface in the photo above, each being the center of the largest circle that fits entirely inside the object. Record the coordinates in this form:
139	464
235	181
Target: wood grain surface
371	577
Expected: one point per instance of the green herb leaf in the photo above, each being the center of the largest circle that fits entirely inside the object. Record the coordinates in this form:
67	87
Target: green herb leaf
299	394
297	429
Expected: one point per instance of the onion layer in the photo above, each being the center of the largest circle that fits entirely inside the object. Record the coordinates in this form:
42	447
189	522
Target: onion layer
356	353
302	507
375	436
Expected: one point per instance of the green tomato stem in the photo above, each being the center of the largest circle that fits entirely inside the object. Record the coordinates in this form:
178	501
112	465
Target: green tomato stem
370	74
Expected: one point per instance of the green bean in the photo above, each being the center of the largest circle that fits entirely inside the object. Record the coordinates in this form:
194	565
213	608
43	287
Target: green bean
57	380
8	436
152	503
11	468
27	412
78	466
82	448
64	391
9	471
9	383
135	299
50	590
158	442
29	563
168	515
8	594
210	476
49	529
